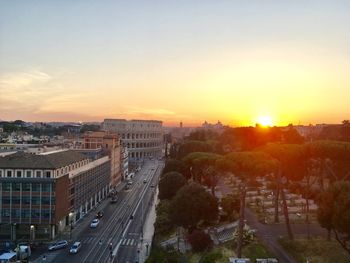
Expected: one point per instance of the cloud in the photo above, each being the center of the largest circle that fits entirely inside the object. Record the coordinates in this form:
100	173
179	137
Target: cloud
23	79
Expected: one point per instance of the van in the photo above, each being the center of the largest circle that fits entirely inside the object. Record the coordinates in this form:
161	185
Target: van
75	248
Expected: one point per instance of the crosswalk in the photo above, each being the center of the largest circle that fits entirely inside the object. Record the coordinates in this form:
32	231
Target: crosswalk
129	242
125	241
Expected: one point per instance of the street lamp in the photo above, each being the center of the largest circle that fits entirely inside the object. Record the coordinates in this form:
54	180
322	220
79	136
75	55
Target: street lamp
70	224
32	233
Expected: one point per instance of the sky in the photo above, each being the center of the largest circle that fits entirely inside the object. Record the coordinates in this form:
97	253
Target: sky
235	61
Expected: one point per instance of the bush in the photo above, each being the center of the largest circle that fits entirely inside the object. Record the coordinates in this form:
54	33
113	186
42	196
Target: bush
211	257
200	241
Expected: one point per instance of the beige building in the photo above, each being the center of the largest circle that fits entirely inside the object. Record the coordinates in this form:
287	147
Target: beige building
143	138
110	143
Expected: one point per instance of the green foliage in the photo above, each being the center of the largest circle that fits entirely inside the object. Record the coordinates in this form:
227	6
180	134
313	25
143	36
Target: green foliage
191	205
333	210
202	135
248	235
159	255
247	164
314	250
211	257
163	224
193	146
200	241
169	184
230	204
174	165
256	250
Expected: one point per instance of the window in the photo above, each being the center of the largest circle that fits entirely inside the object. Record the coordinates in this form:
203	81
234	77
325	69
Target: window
18	173
48	174
35	200
16	187
26	200
9	173
16	213
46	187
28	173
25	213
35	187
6	186
6	212
45	200
38	174
16	199
5	199
26	187
0	173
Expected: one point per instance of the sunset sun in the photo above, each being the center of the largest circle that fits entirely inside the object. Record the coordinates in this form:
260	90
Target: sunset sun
265	121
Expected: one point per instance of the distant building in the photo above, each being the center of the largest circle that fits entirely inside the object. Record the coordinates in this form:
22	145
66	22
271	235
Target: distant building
110	144
143	138
42	194
124	162
216	126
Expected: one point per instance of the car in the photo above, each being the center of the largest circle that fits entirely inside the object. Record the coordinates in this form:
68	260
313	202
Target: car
99	214
94	223
144	181
75	248
58	245
152	186
113	200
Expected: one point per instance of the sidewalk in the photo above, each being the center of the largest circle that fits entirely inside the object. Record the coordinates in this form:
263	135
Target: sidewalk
78	228
148	231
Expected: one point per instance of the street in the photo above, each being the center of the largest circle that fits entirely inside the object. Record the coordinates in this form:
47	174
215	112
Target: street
118	235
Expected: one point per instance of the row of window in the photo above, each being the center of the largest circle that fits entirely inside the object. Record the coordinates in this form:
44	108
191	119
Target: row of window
34	187
26	173
142	145
27	213
67	169
141	125
26	200
140	135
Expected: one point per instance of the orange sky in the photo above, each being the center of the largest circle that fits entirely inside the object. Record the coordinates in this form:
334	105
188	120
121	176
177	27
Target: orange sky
232	62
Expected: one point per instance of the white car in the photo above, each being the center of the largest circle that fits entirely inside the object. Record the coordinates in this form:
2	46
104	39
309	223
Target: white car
75	248
58	245
94	223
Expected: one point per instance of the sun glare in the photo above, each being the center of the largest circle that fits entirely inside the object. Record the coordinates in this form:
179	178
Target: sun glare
265	121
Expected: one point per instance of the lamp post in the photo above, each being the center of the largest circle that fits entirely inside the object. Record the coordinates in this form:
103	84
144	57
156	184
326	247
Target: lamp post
70	224
32	229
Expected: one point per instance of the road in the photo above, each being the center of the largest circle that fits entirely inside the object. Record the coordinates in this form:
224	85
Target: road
117	225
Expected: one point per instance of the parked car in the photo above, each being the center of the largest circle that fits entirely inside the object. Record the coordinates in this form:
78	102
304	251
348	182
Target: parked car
114	200
94	223
75	248
145	181
152	186
99	214
58	245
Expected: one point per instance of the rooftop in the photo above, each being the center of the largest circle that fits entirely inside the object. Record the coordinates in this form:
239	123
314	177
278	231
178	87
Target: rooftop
51	160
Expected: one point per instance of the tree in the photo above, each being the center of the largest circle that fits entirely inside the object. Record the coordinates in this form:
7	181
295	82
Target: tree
193	146
163	222
169	184
174	165
333	212
230	204
292	163
245	165
201	165
200	241
192	204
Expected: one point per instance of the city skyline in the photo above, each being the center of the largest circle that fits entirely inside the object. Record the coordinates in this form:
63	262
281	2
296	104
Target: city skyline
237	62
